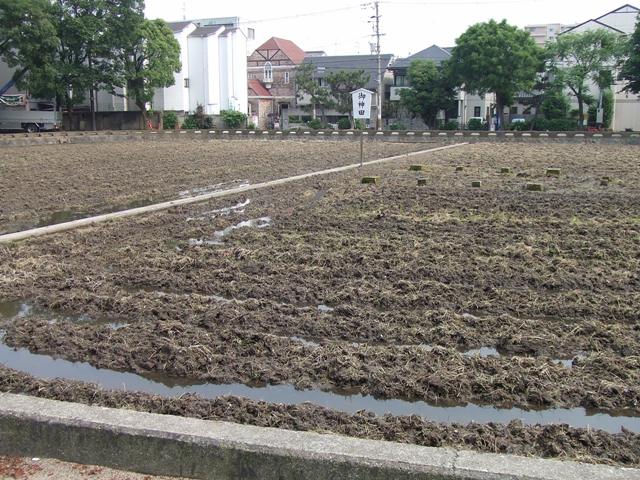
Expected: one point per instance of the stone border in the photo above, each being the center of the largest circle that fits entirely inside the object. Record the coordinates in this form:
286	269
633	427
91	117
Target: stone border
187	447
410	136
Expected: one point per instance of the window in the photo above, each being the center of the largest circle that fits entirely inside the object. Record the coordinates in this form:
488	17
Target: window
286	77
252	76
268	72
186	83
400	81
514	110
476	111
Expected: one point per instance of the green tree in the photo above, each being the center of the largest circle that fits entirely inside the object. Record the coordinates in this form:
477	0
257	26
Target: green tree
307	85
495	57
555	104
577	58
28	39
431	91
71	46
630	70
151	62
341	84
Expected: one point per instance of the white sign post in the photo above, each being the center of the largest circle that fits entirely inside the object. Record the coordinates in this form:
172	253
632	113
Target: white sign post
361	110
362	103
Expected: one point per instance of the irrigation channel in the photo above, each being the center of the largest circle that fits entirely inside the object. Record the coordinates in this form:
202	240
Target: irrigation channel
48	367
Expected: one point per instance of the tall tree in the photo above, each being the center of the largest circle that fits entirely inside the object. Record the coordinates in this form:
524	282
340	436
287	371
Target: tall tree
28	39
308	87
70	46
579	58
495	57
630	70
431	91
341	84
151	62
94	38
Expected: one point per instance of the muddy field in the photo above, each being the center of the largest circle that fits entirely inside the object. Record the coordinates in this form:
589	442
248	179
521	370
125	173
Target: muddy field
40	185
486	304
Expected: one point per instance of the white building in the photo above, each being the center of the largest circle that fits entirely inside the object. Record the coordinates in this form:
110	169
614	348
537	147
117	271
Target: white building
214	68
546	32
621	21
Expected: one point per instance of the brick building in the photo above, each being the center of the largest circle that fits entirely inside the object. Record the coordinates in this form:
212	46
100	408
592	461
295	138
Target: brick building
271	71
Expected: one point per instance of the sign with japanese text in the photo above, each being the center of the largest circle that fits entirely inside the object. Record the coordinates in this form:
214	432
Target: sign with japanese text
362	103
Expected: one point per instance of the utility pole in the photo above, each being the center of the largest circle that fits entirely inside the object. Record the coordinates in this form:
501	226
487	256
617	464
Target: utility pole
379	93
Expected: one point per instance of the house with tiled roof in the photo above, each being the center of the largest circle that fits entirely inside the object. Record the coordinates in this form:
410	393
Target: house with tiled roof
467	105
271	89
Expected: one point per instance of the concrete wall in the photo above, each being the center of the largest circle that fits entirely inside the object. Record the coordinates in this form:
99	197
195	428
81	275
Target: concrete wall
186	447
619	138
104	121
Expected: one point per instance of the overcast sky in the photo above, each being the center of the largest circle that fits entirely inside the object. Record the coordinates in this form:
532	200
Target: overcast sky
341	27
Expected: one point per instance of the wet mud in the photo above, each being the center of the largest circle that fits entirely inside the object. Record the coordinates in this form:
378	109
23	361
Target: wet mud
495	297
45	185
549	441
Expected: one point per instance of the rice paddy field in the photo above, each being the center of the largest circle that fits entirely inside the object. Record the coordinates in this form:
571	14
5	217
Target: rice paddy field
484	297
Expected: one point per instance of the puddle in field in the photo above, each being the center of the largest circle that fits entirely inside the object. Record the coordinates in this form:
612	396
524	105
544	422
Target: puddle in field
167	292
213	188
485	352
47	367
237	208
219	235
62	216
11	310
305	342
482	352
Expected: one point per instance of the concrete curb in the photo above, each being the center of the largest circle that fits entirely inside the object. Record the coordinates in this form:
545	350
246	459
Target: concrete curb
60	227
170	445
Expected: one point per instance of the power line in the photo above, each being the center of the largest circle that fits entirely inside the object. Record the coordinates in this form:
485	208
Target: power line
427	3
300	15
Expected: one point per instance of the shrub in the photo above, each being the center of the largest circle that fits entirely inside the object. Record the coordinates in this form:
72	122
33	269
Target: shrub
315	124
475	124
556	125
344	124
520	126
233	118
450	125
190	123
397	126
555	105
251	126
359	123
169	120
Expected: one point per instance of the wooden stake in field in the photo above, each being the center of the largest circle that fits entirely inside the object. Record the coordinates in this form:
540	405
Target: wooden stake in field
361	148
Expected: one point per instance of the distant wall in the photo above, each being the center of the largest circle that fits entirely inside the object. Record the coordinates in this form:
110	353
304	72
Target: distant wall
104	121
620	138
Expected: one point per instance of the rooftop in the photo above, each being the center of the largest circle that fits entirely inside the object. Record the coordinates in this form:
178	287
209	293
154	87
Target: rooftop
290	49
433	53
